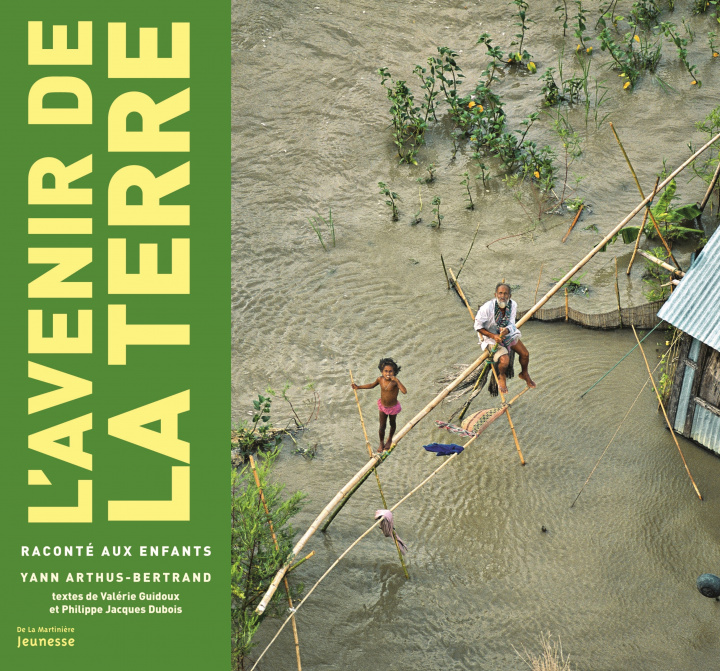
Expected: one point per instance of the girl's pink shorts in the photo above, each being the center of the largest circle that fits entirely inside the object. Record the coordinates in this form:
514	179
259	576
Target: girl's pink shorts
389	411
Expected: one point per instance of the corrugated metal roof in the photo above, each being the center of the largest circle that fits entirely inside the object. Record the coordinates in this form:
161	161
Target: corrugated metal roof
694	307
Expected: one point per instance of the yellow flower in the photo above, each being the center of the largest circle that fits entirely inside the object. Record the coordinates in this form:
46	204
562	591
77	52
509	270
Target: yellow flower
626	84
636	38
693	82
578	47
537	174
532	67
480	108
622	74
588	50
472	104
715	54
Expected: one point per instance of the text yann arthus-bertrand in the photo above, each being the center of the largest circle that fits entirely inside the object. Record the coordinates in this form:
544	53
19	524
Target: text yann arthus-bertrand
50	183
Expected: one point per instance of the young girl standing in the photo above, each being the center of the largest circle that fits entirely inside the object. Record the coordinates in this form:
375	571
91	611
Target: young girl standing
387	403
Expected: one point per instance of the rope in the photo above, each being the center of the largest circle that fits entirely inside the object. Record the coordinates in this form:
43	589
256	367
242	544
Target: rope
621	360
619	425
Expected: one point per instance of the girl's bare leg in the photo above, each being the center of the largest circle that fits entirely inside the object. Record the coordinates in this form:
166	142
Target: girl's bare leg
392	432
383	420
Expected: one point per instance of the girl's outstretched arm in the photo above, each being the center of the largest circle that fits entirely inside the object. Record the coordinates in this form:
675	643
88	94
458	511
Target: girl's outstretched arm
366	386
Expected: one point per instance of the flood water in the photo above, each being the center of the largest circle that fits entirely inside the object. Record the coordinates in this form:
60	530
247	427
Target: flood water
614	576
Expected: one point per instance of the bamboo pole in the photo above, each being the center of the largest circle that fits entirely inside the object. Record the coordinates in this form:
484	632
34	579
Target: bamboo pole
507	413
642	195
708	193
538	283
461	294
382	495
642	229
277	547
458	380
617	294
657	261
577	216
662	407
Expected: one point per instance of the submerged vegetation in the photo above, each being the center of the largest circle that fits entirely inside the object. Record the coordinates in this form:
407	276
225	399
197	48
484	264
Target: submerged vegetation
260	543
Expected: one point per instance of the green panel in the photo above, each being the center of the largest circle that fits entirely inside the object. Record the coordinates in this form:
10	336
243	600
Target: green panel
128	467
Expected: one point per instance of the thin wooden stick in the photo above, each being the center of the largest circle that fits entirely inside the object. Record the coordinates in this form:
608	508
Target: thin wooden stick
642	229
577	216
463	375
471	246
708	193
538	283
303	560
382	495
642	195
277	547
445	270
662	407
461	294
617	294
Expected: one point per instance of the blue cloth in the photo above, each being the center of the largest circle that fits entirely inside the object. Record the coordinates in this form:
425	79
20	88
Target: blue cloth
443	450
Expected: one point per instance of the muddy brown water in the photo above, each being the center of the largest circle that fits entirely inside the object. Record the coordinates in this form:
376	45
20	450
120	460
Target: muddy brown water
613	577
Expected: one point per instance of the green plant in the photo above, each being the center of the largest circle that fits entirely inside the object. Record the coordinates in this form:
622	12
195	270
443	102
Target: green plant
645	13
571	145
407	119
670	30
254	559
563	11
580	17
436	211
466	184
573	285
329	224
656	277
523	22
711	43
392	197
312	403
448	73
484	174
573	204
430	174
256	436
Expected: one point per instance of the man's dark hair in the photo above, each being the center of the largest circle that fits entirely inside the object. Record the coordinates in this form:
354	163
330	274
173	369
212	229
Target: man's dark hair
388	362
503	284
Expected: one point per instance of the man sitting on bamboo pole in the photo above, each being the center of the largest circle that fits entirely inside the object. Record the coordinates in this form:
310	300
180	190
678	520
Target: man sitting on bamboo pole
495	324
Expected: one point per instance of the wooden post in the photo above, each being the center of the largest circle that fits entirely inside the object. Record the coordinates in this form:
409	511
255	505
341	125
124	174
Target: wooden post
662	407
370	453
577	216
377	459
642	195
566	304
642	228
277	547
617	294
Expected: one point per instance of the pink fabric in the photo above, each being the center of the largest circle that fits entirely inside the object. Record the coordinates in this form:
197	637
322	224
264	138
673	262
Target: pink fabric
389	411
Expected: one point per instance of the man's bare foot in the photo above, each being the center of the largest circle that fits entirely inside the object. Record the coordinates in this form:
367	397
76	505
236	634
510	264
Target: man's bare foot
388	443
381	449
502	384
528	379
